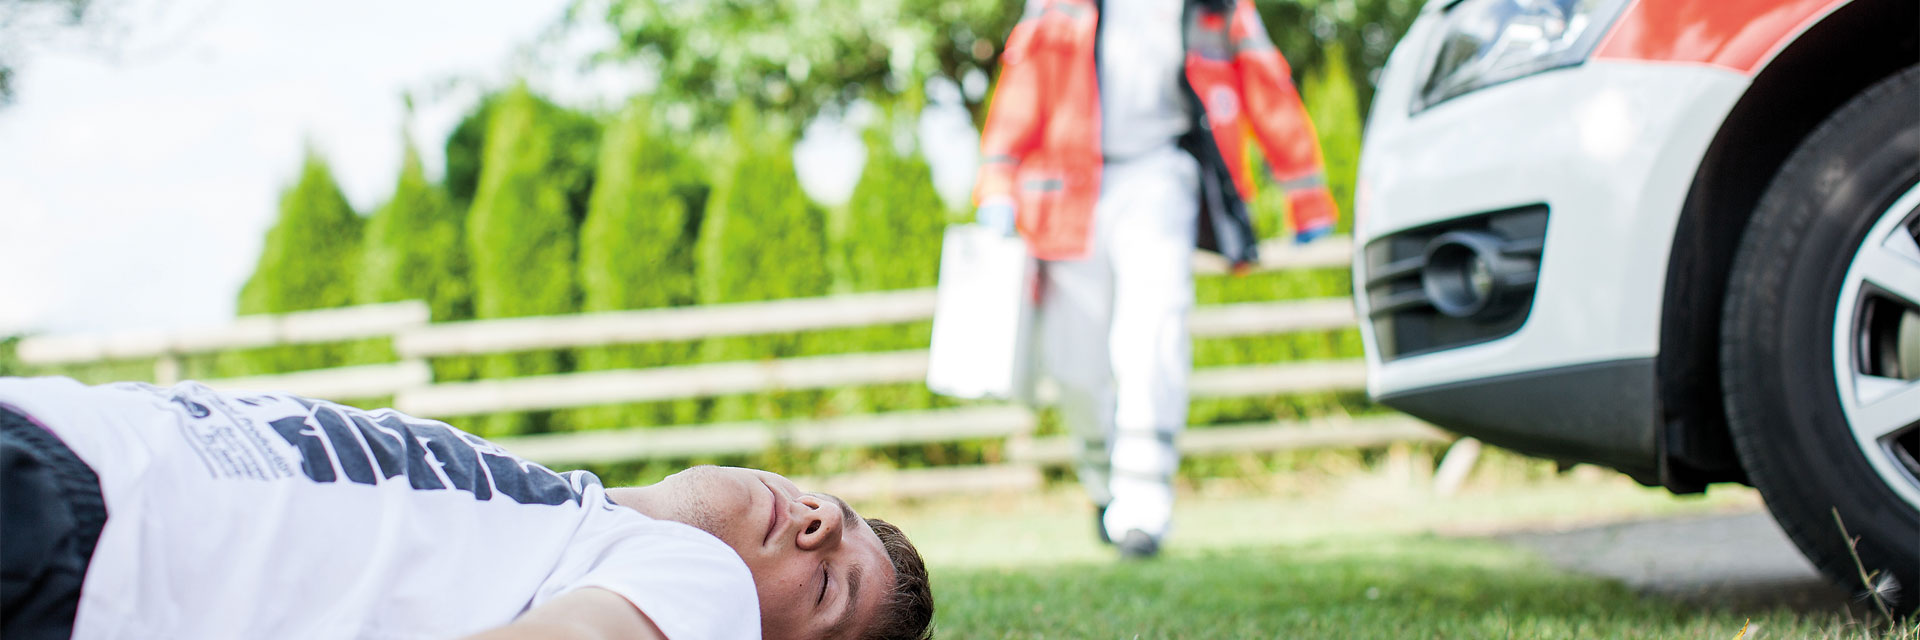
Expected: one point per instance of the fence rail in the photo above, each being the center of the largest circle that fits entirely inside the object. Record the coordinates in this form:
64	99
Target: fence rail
305	327
410	380
654	325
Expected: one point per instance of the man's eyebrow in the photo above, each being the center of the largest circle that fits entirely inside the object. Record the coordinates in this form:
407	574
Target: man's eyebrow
845	618
854	572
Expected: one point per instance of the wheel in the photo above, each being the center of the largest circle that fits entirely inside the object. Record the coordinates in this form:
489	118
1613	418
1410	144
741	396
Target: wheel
1820	343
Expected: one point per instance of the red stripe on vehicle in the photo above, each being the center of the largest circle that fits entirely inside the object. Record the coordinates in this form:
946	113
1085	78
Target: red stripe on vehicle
1733	34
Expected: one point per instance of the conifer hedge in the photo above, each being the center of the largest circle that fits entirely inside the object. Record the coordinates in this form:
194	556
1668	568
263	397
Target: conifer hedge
761	239
9	357
895	218
636	252
894	221
415	247
465	148
535	176
310	260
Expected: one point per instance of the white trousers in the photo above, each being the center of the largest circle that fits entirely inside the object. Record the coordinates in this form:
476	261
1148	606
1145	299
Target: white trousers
1114	337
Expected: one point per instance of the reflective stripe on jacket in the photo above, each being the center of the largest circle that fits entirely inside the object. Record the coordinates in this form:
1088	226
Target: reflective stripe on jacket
1040	149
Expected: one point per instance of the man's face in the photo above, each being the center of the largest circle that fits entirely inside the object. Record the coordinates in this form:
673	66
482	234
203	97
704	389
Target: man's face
820	570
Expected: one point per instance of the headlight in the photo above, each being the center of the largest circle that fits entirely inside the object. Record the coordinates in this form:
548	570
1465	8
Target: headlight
1487	42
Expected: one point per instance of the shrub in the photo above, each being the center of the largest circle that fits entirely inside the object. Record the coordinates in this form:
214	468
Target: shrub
761	239
895	217
521	233
309	261
894	222
636	252
466	148
9	357
415	248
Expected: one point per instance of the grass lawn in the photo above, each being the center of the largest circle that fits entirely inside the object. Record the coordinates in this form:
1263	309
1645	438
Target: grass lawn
1365	559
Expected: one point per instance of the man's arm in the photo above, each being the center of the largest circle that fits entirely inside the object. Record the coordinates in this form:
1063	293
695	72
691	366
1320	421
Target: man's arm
1014	115
590	613
1280	122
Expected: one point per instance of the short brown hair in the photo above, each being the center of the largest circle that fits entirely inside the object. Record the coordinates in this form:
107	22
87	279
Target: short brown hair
907	613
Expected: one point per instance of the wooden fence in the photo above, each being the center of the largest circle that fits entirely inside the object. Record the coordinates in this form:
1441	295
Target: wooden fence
410	380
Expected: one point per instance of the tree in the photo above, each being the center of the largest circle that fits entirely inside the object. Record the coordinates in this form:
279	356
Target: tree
760	240
10	358
313	249
309	261
536	173
895	216
894	223
415	247
465	146
636	251
795	57
1362	31
33	21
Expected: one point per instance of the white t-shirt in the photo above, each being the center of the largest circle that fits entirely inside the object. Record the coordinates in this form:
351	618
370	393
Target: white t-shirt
265	515
1142	57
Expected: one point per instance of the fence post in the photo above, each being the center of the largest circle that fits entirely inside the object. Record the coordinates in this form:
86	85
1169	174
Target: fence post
1020	442
1455	466
166	368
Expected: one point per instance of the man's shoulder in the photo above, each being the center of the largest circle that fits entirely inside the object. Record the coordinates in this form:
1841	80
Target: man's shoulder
688	582
639	535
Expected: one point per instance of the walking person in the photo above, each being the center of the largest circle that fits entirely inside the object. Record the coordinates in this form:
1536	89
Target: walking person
1114	144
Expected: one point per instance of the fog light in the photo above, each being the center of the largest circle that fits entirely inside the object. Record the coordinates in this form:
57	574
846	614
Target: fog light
1467	275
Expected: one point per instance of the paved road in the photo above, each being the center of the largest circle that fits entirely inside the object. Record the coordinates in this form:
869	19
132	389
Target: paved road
1738	562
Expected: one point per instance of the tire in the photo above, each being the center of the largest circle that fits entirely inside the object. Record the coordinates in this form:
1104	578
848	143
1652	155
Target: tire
1821	322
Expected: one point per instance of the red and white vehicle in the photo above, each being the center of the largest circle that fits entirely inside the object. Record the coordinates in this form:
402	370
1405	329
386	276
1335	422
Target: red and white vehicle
1672	237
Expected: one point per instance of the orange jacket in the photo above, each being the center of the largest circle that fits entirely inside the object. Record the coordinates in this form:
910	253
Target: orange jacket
1041	145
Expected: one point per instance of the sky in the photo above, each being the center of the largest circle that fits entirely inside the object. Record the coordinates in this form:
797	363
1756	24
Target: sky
143	158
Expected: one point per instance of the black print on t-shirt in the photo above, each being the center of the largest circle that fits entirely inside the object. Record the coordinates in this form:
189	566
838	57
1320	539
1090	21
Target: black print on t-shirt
192	408
360	443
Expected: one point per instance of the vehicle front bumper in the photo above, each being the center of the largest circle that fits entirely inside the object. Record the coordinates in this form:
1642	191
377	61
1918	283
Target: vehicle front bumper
1609	149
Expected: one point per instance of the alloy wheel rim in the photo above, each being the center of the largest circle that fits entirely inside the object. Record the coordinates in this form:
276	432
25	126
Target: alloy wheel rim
1876	346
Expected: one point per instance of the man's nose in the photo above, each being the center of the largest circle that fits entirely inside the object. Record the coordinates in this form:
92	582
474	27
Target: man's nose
820	526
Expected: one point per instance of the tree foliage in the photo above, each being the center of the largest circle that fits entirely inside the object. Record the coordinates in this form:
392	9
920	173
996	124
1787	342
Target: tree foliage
9	356
536	173
310	260
415	247
23	21
894	223
636	247
761	239
1362	31
312	251
797	56
636	250
895	216
466	145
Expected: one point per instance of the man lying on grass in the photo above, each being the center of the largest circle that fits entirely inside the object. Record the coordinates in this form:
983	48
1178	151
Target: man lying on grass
132	511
